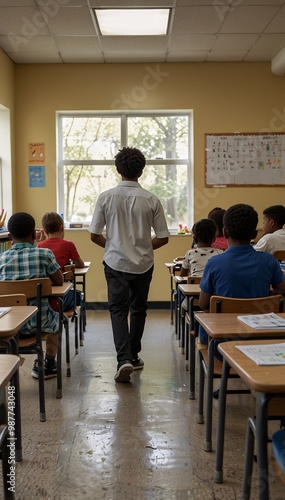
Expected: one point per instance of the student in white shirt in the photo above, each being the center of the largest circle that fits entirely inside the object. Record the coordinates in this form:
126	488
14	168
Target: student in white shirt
274	237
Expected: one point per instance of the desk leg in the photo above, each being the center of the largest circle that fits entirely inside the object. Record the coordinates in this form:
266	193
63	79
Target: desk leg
218	475
209	397
261	445
192	364
59	350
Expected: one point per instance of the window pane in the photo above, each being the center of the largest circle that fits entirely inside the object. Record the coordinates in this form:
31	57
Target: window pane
90	138
82	186
159	136
169	184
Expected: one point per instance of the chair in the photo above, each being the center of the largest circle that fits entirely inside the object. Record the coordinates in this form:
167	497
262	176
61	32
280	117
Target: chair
74	314
220	304
36	288
174	270
186	317
278	448
279	255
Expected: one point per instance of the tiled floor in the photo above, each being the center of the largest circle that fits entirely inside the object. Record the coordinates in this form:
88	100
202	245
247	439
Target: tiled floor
127	441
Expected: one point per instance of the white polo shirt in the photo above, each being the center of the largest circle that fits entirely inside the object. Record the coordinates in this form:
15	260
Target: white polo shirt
271	242
129	213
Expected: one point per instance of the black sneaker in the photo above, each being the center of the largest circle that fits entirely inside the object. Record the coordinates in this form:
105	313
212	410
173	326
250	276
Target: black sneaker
138	364
50	369
124	371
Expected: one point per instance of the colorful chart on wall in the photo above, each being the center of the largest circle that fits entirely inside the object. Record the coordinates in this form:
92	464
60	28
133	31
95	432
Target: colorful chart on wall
36	153
37	177
245	159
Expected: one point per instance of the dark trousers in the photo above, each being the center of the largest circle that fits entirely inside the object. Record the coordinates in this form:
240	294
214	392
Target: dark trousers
127	293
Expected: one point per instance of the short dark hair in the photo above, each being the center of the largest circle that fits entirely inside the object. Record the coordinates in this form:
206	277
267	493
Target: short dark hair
21	225
240	221
130	162
204	230
277	213
217	216
51	222
212	211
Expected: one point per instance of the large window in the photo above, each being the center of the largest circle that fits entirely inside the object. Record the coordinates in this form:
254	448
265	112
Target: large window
88	142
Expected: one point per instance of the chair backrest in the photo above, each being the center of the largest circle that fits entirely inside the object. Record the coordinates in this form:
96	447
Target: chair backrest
26	287
193	280
14	299
68	273
279	255
260	305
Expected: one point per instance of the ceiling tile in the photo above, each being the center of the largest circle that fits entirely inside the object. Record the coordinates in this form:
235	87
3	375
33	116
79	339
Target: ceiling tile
248	19
234	42
72	21
132	43
191	42
226	55
189	20
185	56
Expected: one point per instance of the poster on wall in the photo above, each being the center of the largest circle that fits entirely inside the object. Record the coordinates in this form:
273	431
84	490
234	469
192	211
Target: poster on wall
36	153
245	159
37	177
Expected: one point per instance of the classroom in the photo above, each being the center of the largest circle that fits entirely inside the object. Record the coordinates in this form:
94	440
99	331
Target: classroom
222	97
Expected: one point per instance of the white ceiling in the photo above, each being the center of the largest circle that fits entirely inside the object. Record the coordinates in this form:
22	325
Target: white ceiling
63	31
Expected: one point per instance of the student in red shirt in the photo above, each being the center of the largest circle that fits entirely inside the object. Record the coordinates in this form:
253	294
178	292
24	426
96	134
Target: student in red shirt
65	251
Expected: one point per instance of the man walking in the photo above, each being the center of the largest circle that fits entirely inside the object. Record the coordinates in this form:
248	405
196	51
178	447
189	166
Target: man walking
129	213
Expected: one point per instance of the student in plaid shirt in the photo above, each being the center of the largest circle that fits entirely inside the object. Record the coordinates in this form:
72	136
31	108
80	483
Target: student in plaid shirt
25	261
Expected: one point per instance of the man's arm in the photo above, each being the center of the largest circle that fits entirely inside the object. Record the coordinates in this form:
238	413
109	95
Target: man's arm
280	288
157	242
79	262
98	239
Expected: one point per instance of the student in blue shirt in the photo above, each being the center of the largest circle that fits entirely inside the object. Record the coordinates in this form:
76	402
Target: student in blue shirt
240	272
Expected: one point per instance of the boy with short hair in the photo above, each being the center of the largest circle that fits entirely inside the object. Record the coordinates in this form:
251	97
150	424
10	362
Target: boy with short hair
240	272
203	232
274	237
65	251
25	261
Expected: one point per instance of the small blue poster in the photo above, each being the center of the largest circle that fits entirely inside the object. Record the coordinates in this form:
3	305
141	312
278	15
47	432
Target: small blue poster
37	176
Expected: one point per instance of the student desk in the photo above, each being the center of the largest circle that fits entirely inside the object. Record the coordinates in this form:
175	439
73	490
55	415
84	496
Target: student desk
225	326
190	291
9	364
10	324
267	382
80	272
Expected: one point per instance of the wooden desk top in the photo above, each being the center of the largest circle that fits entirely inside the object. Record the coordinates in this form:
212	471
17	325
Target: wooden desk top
61	290
8	365
13	320
269	379
180	279
81	271
226	325
190	289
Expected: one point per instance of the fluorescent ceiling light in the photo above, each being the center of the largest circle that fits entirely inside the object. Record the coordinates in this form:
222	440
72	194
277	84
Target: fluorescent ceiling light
123	22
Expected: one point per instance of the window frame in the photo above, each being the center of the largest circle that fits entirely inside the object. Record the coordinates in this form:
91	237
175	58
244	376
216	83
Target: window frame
124	114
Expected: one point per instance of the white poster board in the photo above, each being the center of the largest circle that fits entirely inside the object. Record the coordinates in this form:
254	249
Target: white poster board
245	159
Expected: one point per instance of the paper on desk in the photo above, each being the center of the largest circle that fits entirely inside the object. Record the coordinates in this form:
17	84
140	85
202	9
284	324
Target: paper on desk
266	354
4	310
269	321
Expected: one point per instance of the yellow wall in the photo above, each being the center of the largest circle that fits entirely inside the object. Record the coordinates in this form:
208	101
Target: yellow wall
225	97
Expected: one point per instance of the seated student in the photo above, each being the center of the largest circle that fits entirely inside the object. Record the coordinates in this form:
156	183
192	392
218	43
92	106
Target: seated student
274	237
25	261
203	232
240	272
195	259
65	251
217	215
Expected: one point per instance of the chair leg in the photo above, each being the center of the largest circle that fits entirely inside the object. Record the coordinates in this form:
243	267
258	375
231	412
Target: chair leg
59	363
8	493
40	357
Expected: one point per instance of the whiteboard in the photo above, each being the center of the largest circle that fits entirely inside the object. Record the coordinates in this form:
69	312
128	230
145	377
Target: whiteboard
245	159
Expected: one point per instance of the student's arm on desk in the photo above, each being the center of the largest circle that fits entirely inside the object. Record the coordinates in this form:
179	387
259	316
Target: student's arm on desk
79	262
57	278
158	242
99	239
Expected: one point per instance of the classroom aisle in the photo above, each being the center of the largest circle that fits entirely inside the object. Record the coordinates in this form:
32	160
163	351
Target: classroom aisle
126	441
